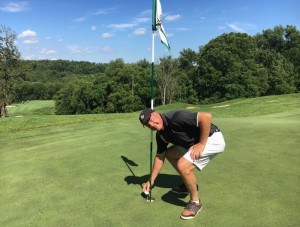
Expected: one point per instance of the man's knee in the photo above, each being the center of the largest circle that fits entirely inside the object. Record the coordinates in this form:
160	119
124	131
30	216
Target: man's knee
184	166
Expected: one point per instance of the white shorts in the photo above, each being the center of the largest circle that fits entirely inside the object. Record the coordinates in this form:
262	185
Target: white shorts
215	145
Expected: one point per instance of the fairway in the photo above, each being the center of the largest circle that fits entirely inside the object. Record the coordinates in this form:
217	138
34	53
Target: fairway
87	170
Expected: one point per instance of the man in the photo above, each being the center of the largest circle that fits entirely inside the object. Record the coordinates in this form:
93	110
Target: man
195	141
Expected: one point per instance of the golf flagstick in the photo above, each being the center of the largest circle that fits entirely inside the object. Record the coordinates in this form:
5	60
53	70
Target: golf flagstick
152	90
156	25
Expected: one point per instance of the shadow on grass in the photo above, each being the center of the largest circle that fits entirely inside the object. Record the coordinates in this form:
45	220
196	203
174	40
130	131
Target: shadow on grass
162	181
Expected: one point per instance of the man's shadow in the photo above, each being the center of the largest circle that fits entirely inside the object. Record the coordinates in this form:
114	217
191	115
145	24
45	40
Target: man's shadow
162	181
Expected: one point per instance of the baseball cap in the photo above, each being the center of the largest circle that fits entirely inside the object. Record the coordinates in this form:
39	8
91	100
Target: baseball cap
145	115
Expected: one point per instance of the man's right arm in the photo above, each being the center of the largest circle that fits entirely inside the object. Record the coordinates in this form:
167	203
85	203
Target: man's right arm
157	166
158	163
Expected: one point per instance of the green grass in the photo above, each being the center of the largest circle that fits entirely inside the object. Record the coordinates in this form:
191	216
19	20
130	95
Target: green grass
32	108
69	171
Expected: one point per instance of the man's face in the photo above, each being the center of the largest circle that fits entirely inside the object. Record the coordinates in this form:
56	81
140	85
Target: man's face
155	123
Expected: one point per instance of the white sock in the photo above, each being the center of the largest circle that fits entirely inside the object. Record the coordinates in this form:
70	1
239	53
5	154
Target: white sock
197	202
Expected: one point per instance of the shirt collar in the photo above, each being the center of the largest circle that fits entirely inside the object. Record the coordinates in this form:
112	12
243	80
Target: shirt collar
163	117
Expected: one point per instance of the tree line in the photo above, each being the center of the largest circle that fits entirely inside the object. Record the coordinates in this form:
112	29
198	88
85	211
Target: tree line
233	65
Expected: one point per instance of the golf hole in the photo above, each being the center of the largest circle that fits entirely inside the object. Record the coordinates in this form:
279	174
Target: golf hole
147	197
151	201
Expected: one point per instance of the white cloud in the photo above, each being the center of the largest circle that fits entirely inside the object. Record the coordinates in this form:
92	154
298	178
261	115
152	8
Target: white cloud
27	33
106	49
142	20
107	35
94	28
93	14
14	7
169	35
75	49
222	27
235	27
182	29
146	13
31	40
104	11
29	36
173	17
122	26
47	51
140	31
239	27
79	19
30	57
88	50
51	52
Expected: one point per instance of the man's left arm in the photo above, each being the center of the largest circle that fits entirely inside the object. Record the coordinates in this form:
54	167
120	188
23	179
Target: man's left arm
204	123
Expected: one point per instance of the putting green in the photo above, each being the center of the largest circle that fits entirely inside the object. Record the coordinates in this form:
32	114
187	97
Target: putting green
89	173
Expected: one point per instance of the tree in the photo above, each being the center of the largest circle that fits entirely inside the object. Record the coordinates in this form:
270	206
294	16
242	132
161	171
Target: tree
285	42
184	91
281	73
187	77
228	70
80	96
292	50
272	39
10	66
122	95
166	79
143	82
188	62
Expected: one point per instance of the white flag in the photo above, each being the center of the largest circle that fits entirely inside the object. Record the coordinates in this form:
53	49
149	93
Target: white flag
159	26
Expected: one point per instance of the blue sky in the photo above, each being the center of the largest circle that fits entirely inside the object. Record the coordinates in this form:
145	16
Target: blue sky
101	31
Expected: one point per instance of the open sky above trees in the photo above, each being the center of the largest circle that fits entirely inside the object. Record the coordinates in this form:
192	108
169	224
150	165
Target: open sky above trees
101	31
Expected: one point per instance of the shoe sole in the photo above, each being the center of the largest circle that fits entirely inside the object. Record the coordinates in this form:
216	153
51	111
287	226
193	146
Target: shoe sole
190	217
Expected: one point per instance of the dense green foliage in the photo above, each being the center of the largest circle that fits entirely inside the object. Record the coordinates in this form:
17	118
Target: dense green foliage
11	67
41	113
233	65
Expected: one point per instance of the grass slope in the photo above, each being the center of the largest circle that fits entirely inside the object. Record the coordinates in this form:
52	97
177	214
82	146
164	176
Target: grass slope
87	170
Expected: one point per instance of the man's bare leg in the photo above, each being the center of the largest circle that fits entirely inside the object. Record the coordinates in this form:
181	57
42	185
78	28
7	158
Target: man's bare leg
185	169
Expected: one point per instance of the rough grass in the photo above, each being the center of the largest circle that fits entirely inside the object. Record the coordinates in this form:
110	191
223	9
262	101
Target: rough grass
87	170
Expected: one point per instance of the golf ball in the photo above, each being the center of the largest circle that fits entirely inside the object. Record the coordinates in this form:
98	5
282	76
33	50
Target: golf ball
146	192
152	200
